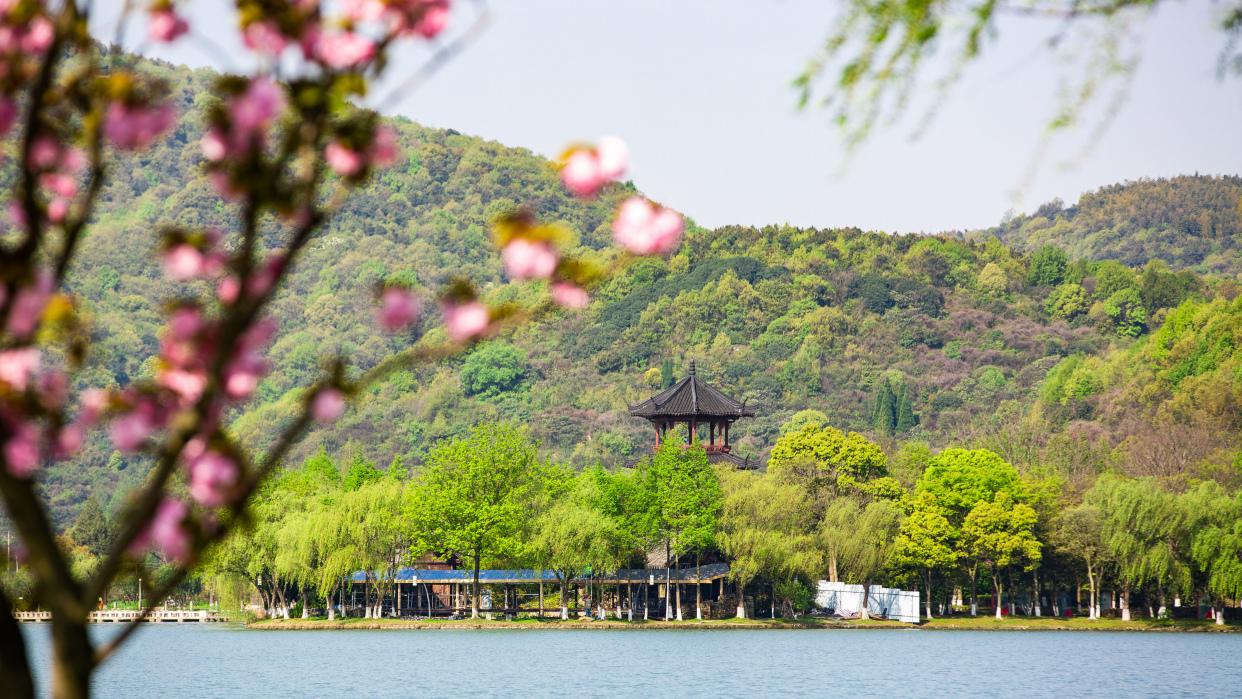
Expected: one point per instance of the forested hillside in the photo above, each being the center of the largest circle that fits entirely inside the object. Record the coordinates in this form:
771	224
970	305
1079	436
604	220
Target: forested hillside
1190	222
912	339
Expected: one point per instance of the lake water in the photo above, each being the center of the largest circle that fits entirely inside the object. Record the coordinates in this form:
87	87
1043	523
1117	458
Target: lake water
188	661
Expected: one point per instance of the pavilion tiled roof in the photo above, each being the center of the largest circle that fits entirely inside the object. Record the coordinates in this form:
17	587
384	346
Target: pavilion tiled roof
691	397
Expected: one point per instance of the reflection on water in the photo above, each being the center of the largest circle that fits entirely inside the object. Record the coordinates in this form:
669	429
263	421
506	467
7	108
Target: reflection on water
226	661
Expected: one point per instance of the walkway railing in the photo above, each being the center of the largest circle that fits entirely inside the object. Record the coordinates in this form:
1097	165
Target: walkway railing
127	615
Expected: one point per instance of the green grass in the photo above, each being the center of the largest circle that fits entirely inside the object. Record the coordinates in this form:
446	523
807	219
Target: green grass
980	623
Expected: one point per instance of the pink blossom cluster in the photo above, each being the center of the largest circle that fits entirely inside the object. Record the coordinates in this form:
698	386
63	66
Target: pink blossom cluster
26	33
465	320
345	42
352	162
399	308
213	474
59	167
241	129
526	258
166	532
164	24
29	302
585	170
645	229
136	126
425	18
22	373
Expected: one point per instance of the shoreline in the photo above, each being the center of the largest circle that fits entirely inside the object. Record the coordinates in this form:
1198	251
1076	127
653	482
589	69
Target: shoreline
952	624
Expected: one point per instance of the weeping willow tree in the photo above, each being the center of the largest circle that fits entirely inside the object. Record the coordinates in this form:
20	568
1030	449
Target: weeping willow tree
766	530
863	537
1146	535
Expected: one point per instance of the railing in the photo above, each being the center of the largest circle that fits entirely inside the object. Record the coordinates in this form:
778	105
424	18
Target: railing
115	616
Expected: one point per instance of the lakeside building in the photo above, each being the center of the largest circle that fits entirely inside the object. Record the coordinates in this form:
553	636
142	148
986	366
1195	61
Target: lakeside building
696	405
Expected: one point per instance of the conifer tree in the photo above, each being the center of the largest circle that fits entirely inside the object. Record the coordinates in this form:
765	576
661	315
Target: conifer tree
905	419
884	415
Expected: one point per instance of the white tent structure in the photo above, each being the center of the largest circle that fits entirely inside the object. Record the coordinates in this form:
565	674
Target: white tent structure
846	600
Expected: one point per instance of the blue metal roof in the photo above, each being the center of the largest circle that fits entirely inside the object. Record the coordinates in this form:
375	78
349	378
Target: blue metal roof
707	573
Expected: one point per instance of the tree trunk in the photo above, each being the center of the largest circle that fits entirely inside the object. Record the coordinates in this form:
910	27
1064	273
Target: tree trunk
72	658
474	590
1038	610
1125	603
1219	613
541	595
1094	601
927	577
564	599
15	674
741	600
974	591
998	588
832	567
866	605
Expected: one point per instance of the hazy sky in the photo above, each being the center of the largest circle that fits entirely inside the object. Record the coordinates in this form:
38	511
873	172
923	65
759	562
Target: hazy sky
700	91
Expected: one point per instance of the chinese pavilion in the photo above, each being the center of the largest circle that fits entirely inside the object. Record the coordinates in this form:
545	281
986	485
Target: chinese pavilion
694	403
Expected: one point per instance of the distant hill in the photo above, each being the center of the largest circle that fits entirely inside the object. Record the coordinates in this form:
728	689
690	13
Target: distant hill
786	318
1190	222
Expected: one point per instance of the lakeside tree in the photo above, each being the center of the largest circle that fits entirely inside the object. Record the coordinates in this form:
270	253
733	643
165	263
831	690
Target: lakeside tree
927	542
473	495
684	496
1079	532
1000	534
766	530
573	536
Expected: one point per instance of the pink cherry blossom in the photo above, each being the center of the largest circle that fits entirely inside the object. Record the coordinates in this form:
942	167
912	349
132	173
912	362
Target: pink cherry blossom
344	160
8	113
434	18
214	146
134	127
166	532
363	10
183	262
45	151
529	259
58	210
38	36
28	305
570	295
264	38
243	373
254	109
131	430
17	366
341	50
94	401
384	149
21	451
69	440
582	174
643	230
399	308
328	405
165	26
466	321
59	183
228	290
185	322
187	385
212	478
613	157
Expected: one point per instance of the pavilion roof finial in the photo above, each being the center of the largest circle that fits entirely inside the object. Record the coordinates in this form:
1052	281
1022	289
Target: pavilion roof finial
692	367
